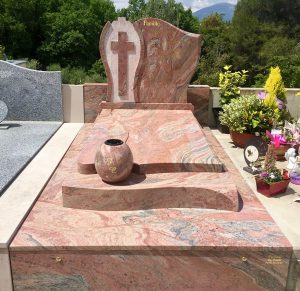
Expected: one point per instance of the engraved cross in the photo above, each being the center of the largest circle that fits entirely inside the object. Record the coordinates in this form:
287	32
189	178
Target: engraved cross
122	47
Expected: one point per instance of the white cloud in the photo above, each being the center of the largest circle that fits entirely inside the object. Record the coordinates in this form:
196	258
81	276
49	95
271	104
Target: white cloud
120	3
193	4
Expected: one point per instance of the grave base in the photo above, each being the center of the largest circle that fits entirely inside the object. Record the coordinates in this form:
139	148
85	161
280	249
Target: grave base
154	249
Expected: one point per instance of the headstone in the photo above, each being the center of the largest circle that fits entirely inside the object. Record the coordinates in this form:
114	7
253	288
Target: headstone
150	61
169	61
3	110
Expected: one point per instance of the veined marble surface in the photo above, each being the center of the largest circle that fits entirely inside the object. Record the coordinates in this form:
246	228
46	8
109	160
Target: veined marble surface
161	249
160	141
50	226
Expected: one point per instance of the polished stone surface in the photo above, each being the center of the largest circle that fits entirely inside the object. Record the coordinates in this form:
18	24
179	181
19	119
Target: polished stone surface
93	95
156	62
168	61
3	110
160	140
120	50
18	145
18	199
209	248
152	191
29	94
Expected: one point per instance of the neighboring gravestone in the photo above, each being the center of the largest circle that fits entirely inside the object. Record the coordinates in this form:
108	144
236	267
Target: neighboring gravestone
30	95
3	110
150	61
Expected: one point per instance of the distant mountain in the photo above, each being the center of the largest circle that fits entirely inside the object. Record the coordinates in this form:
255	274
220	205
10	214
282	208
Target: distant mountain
226	9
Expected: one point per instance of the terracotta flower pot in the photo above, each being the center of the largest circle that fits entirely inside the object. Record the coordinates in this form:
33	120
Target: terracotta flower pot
272	189
280	151
240	139
114	161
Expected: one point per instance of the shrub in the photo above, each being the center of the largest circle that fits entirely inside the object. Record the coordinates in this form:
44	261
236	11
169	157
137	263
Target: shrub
229	83
73	75
275	86
2	50
248	114
32	64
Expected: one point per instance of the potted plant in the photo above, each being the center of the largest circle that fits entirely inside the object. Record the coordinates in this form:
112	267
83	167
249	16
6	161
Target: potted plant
229	83
246	117
271	181
275	97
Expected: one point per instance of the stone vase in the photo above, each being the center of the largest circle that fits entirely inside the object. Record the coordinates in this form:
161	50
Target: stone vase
114	161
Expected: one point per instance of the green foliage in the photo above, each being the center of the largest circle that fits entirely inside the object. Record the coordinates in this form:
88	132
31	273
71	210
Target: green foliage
264	34
2	50
167	10
77	75
71	33
215	50
32	64
73	75
230	83
97	73
248	114
275	86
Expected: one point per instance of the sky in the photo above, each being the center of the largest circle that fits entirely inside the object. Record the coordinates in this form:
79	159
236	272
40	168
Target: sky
193	4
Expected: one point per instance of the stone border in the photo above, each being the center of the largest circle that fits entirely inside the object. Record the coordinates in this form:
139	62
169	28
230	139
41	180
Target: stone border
17	201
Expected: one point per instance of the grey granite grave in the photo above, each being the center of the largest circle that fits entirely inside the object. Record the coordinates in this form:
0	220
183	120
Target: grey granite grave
34	102
30	94
3	111
19	144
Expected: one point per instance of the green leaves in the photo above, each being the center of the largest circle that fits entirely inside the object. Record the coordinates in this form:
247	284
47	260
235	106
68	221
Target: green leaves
249	114
229	83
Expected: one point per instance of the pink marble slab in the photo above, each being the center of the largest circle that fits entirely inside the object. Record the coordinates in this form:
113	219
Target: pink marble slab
152	191
154	249
133	105
160	140
52	227
168	61
150	270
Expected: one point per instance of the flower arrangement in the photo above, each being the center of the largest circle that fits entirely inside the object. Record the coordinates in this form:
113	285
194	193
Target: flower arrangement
271	181
274	176
291	132
289	135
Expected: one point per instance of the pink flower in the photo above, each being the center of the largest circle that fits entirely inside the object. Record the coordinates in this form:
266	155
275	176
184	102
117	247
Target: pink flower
262	95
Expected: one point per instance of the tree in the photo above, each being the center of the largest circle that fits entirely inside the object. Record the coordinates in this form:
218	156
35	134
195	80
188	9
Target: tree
72	32
260	25
167	10
215	49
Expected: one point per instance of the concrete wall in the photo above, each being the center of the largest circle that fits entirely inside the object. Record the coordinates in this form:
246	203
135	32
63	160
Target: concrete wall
73	105
81	102
293	101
